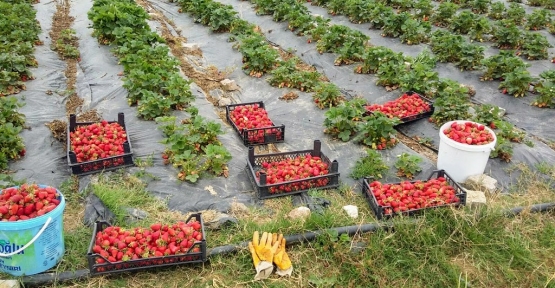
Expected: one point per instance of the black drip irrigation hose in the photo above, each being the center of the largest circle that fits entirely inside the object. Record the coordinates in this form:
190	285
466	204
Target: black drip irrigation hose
51	278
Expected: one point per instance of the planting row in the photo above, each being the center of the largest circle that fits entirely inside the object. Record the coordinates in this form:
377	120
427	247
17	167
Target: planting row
17	45
154	83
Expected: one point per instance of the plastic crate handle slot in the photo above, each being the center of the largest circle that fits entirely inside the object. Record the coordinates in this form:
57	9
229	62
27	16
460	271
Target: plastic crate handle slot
30	242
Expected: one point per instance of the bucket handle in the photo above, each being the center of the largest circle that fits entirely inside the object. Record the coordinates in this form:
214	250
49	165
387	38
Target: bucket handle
30	242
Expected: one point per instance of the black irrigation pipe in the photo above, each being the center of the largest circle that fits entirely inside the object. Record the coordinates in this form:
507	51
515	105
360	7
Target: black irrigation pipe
51	278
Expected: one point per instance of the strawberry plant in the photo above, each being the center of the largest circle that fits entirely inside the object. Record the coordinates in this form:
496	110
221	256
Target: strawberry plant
502	63
106	16
480	6
341	121
548	4
446	45
534	46
338	37
348	53
408	165
516	82
515	14
287	75
503	150
193	148
27	201
377	131
415	32
423	9
371	165
463	22
448	88
389	73
321	26
380	15
538	19
300	22
327	95
449	108
480	29
535	3
11	124
509	131
487	114
393	25
410	196
444	13
470	57
373	56
258	56
359	11
419	78
402	5
497	10
336	7
221	18
507	35
546	97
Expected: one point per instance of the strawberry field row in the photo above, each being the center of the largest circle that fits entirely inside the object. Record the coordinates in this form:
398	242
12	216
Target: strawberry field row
154	83
451	98
17	45
16	56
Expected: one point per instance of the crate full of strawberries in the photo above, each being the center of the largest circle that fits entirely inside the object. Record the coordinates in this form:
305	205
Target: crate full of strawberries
287	173
95	147
114	249
252	123
409	107
412	197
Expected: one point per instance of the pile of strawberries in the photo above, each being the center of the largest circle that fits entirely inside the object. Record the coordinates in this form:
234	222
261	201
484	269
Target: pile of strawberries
116	244
295	169
27	201
469	133
407	196
253	117
408	105
97	141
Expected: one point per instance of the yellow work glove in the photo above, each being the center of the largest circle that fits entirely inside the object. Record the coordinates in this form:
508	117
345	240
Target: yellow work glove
281	259
262	253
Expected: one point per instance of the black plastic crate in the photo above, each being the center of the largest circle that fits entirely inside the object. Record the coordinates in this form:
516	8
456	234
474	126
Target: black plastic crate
380	212
144	263
413	118
99	165
264	190
256	136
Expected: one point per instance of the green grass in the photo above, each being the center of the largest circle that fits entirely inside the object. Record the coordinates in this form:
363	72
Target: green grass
443	248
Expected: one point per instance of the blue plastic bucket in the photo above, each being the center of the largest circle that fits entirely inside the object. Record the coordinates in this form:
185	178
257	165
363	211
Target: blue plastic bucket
33	246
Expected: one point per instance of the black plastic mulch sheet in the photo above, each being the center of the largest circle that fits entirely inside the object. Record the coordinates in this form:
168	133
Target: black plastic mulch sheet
101	87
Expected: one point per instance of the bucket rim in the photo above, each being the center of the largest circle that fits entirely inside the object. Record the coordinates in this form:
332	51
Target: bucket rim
33	222
465	147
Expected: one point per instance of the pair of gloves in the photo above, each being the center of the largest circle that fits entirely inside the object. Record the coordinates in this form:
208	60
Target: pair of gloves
267	250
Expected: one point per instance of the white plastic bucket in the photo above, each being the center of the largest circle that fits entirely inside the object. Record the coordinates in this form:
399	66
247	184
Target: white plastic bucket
462	160
32	246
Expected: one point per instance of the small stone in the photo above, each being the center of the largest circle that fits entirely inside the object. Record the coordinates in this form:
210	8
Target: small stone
220	220
299	213
475	198
135	214
224	102
9	284
481	182
351	210
229	85
216	94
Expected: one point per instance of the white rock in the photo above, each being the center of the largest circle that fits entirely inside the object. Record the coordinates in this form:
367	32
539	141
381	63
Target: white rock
9	284
229	85
482	182
224	102
474	198
299	213
351	210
